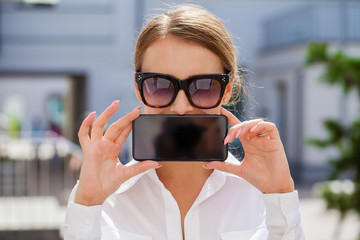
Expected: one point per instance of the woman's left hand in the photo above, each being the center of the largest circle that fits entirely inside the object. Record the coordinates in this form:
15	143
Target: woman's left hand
265	164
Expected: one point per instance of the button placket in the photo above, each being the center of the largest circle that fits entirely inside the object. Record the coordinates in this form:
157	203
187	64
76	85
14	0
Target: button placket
192	224
172	215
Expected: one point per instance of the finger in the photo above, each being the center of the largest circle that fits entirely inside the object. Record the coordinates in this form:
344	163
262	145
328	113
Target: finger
224	167
83	133
240	129
233	132
232	119
98	126
246	127
123	136
265	129
140	167
117	127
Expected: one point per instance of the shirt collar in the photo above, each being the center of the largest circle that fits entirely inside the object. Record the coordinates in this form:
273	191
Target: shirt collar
215	182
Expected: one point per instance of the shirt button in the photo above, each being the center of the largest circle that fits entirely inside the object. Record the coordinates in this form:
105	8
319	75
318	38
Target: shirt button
87	221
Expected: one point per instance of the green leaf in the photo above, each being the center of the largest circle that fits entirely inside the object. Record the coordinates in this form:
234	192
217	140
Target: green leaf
316	52
318	142
343	71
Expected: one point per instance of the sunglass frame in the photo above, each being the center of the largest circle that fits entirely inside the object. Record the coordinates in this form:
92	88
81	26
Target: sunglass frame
184	84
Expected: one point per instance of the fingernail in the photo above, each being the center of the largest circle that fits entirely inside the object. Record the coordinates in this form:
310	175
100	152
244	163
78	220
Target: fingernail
116	101
253	128
159	166
238	133
207	167
139	107
92	114
226	140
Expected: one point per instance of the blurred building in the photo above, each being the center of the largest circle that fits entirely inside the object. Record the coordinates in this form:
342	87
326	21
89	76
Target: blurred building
60	61
291	95
57	63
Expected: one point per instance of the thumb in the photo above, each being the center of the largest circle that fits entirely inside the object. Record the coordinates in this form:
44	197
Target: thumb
231	117
140	167
224	167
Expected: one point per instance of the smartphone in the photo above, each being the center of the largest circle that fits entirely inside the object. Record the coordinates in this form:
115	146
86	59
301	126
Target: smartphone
179	137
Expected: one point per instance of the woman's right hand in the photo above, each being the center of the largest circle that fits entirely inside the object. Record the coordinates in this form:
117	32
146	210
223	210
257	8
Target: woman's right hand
101	171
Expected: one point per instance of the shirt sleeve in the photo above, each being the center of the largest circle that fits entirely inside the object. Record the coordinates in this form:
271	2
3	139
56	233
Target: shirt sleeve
283	219
82	222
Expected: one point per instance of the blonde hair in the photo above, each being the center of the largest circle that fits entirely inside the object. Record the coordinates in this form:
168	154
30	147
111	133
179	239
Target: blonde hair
193	24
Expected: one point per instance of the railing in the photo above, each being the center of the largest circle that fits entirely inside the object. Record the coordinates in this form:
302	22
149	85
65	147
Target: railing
36	178
38	166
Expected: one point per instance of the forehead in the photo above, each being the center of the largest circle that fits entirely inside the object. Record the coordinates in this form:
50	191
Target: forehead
174	56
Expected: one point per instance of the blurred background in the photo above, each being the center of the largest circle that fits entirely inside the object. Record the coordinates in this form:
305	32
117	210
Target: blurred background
61	59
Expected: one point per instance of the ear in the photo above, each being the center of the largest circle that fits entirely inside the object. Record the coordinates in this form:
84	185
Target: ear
137	92
227	94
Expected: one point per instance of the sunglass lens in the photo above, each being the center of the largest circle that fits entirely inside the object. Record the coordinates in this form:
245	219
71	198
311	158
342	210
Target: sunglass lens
158	91
205	92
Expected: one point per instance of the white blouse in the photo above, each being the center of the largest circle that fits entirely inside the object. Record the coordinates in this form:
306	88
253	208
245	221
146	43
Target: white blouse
227	208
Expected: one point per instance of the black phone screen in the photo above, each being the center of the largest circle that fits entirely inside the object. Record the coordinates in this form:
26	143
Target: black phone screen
179	137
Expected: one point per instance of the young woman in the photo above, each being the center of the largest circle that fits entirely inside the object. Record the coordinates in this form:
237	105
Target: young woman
183	200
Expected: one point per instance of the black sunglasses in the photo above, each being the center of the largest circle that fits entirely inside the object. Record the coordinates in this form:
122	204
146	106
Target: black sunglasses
160	90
